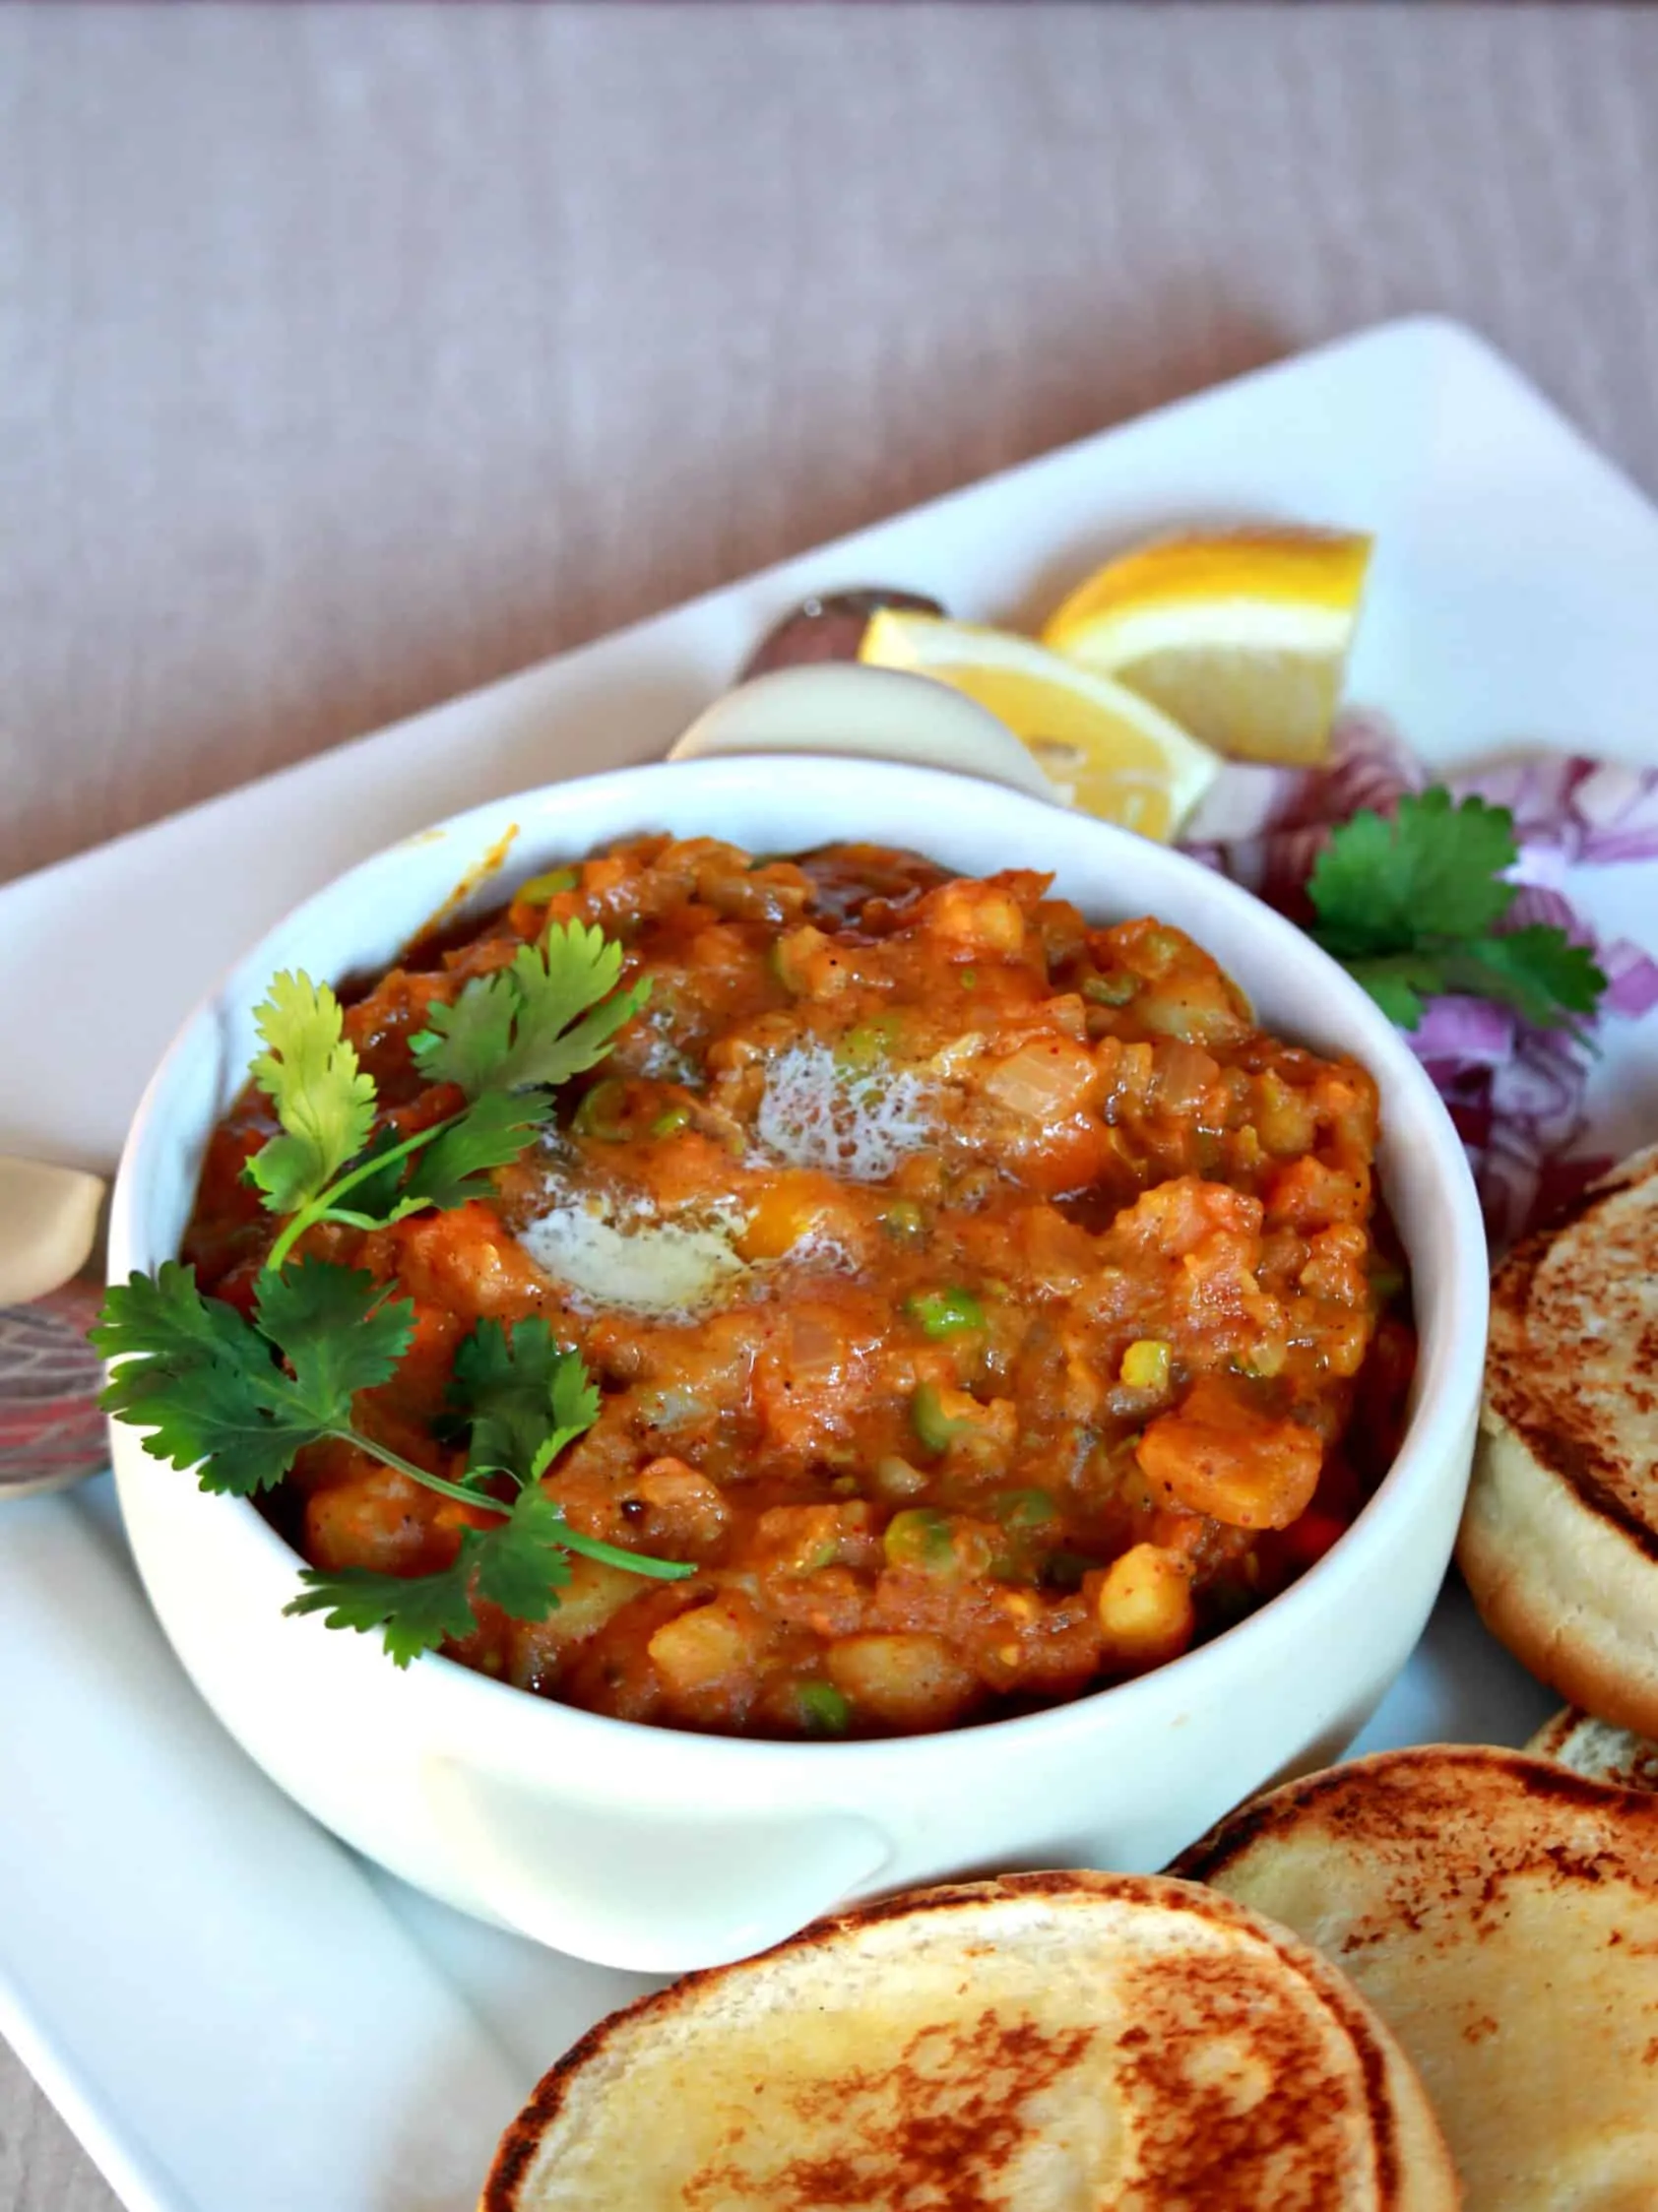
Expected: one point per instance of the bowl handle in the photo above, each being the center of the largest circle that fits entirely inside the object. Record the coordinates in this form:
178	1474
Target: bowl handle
654	1893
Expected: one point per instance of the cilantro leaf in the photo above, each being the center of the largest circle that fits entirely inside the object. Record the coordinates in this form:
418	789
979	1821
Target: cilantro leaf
442	1168
323	1100
1538	971
573	1403
216	1418
204	1383
1434	871
467	1037
491	1133
1400	981
200	1380
547	1016
338	1330
1409	906
374	1200
524	1398
519	1563
416	1613
164	1317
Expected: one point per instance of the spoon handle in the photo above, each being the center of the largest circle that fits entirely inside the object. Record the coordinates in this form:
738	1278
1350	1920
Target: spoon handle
51	1432
51	1264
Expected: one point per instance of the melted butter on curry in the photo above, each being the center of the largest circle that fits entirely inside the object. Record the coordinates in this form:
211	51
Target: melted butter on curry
982	1303
813	1111
818	1111
668	1269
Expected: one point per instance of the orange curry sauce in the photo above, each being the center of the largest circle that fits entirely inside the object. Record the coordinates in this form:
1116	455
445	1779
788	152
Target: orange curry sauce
1034	1310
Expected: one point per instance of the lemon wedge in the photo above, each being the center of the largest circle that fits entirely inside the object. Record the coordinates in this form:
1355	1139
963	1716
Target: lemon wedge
1103	748
1243	636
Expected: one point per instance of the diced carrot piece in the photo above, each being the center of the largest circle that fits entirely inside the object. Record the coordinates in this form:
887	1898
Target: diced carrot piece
1217	1454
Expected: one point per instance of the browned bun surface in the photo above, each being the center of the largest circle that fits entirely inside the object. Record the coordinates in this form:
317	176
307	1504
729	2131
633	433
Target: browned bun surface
1047	2043
1502	1915
1598	1750
1560	1538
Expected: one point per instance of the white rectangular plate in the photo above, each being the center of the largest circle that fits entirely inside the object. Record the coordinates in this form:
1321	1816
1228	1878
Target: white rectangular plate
234	2013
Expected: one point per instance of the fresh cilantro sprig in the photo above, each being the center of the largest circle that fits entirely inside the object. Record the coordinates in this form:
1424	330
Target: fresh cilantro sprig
505	1041
518	1566
238	1398
523	1398
1411	905
321	1098
522	1401
547	1016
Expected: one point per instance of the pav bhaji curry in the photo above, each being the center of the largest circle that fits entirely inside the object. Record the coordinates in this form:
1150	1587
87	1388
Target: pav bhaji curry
981	1307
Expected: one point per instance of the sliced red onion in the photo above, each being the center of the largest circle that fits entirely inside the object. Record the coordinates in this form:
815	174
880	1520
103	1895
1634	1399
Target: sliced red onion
1631	979
1541	902
1463	1033
1594	810
1542	1084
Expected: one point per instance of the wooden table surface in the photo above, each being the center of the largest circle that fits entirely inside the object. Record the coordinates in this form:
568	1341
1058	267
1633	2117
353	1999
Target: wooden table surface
351	357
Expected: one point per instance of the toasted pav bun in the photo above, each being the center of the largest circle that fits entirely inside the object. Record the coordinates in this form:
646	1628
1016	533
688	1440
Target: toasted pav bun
1048	2042
1598	1750
1559	1536
1502	1915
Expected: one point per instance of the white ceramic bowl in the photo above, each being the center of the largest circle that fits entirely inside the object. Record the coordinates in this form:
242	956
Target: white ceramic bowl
643	1848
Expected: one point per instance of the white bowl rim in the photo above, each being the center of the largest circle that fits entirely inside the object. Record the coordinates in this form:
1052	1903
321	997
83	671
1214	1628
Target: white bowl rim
1433	1424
